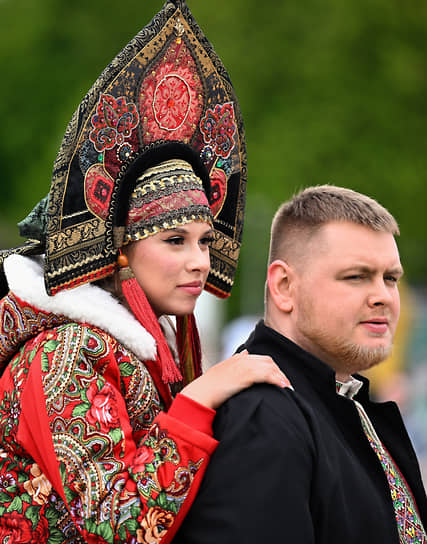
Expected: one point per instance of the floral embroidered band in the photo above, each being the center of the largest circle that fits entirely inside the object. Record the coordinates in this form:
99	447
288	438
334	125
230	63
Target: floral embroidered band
166	196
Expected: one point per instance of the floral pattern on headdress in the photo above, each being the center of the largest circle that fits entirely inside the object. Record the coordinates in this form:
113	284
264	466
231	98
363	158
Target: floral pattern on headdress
167	86
113	122
218	127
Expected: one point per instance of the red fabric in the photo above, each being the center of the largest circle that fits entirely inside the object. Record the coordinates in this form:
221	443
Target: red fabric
190	412
207	442
34	433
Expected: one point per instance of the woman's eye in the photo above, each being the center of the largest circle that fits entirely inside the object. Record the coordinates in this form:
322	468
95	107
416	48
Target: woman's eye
175	240
206	240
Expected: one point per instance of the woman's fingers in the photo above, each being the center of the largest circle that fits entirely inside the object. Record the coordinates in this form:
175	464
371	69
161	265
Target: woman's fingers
225	379
260	369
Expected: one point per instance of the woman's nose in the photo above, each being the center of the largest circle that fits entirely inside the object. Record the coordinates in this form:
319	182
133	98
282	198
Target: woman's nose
199	259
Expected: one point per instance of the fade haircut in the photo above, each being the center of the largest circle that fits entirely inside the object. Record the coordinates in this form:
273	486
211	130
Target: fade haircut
298	219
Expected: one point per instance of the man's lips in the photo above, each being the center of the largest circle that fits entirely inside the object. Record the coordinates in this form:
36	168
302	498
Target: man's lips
376	325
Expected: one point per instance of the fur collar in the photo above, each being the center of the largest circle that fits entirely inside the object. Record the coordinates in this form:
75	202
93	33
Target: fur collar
84	304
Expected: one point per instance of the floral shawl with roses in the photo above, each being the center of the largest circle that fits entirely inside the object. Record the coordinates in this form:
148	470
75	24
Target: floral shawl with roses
87	453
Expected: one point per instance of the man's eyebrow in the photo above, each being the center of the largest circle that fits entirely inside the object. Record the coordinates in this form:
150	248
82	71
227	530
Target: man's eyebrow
398	270
359	268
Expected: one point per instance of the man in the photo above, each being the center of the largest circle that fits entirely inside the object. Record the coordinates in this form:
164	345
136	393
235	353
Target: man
322	463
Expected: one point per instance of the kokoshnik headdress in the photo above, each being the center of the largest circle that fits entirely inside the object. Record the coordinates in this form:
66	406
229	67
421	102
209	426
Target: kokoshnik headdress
165	96
158	141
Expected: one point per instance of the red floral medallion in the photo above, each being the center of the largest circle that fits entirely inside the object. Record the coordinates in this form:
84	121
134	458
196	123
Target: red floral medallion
172	102
113	123
171	97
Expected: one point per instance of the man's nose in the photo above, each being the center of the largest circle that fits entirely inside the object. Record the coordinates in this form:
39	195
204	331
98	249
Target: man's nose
381	293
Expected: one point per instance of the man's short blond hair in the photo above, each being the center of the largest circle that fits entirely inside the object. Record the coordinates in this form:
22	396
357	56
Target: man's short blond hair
298	219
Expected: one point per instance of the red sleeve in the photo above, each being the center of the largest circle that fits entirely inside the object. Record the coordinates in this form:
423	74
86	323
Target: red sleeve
192	413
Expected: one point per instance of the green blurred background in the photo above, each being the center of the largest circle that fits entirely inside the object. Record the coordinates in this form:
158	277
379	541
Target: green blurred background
331	92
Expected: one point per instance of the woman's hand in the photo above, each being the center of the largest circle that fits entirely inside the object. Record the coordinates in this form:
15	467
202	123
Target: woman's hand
225	379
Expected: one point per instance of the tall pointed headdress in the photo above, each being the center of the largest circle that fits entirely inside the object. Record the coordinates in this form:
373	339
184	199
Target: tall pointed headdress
166	95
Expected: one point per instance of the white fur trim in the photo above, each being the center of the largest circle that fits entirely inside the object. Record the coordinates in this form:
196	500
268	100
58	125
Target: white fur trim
84	304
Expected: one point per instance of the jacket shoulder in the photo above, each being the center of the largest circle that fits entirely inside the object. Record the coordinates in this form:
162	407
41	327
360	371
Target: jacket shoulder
267	407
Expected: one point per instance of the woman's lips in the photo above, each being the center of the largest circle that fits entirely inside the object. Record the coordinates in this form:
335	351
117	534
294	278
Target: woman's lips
193	288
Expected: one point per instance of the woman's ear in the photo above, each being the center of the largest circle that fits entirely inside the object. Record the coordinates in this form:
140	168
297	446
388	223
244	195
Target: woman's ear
279	283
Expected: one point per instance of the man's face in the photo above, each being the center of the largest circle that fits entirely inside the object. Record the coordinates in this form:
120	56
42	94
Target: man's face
345	295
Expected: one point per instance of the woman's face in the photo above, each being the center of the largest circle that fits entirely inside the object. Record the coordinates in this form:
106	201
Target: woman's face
172	267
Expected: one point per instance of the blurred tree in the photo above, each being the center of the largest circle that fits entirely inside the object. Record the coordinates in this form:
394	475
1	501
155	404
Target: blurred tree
330	91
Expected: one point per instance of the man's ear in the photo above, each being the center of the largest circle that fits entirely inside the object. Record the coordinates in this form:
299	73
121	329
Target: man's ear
279	283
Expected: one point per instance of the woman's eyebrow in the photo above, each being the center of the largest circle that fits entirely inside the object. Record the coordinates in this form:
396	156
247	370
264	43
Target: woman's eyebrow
183	230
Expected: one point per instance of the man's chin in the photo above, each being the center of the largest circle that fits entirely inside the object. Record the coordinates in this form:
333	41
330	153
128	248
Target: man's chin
366	356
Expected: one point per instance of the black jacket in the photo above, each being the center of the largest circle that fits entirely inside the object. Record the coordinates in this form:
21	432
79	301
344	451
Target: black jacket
296	467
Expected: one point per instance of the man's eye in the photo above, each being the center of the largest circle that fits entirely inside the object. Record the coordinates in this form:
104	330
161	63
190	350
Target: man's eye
391	279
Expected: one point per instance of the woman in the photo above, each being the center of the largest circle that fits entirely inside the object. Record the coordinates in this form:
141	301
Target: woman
144	211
